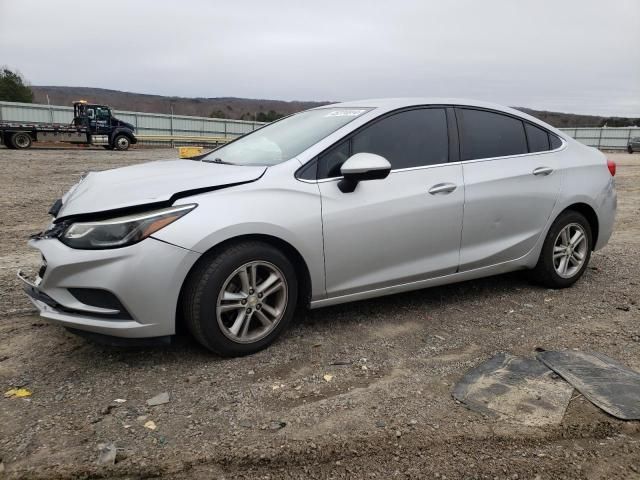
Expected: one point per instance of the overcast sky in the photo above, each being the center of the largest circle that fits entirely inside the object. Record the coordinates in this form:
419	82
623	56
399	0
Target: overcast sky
579	56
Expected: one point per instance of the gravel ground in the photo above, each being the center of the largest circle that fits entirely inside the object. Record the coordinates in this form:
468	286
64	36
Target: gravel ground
387	410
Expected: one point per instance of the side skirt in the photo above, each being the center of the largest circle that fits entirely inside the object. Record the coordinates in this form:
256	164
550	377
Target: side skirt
511	266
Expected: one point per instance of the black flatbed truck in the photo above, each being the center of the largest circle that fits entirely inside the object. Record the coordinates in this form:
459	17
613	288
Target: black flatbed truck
91	123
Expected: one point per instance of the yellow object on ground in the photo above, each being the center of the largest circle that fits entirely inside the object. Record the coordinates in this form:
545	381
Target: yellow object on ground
18	393
188	152
151	425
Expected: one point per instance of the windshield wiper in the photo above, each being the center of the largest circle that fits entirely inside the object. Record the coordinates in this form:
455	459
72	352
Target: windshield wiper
217	160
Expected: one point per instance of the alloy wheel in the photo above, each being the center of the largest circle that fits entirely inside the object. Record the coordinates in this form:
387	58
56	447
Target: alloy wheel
570	250
252	302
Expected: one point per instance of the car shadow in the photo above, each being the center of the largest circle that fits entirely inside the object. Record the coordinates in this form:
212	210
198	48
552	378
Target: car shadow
184	349
452	295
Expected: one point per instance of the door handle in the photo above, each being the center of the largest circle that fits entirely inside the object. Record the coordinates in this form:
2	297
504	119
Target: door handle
443	188
543	171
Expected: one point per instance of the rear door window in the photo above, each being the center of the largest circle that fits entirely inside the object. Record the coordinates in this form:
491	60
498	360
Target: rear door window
486	134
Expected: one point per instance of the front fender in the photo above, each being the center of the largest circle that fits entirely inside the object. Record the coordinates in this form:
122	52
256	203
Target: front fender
292	215
123	130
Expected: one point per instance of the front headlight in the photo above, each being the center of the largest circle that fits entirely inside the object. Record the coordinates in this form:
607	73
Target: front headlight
121	231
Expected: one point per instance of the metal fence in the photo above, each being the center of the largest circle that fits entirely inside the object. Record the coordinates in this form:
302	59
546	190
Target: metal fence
604	138
151	128
160	129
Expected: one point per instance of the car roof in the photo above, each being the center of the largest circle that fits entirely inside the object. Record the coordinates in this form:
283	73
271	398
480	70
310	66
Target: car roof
388	104
409	101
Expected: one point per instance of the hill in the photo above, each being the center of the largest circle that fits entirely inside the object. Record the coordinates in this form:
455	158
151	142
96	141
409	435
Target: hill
220	107
257	109
562	120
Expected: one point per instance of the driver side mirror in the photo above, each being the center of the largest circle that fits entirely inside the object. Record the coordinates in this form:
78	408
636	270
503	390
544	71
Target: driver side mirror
361	167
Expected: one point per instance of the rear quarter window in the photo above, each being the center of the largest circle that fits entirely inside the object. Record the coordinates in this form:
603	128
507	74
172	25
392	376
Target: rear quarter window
554	141
538	138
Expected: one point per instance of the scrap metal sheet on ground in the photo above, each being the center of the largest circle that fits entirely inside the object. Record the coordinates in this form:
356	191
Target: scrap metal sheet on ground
603	381
516	389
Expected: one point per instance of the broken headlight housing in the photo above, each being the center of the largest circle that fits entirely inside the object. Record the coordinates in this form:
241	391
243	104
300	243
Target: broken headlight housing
121	231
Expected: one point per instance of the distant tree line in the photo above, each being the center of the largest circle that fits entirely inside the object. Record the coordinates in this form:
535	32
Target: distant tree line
269	116
620	122
13	87
570	120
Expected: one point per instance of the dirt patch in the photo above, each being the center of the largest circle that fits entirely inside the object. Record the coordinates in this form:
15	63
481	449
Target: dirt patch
387	410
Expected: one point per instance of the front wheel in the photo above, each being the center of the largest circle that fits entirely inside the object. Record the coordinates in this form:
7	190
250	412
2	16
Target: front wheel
629	149
240	300
121	142
566	251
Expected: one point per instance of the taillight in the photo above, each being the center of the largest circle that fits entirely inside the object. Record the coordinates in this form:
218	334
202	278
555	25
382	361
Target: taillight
611	165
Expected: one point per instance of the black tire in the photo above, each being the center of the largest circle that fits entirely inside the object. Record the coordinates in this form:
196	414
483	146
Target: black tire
8	141
629	149
206	281
545	272
21	140
121	142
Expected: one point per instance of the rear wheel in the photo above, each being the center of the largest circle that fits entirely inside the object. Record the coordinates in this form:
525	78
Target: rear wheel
121	142
629	149
21	140
566	251
8	141
239	301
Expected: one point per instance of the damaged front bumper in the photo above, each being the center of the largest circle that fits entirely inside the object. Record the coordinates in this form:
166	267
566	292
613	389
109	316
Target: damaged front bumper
130	292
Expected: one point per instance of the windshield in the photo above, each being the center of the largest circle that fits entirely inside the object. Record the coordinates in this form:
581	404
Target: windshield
286	138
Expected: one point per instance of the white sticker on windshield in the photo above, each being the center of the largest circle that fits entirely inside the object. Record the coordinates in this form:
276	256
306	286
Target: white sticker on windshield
345	113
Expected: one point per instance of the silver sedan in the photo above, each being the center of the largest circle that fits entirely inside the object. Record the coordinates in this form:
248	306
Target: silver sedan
339	203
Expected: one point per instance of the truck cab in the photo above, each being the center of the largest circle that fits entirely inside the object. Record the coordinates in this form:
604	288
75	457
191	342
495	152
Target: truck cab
99	120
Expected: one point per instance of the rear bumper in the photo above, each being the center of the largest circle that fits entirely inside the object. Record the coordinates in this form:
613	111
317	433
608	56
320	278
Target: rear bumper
607	214
146	278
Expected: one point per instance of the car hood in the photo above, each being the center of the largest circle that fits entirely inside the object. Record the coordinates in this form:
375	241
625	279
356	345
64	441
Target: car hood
150	183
